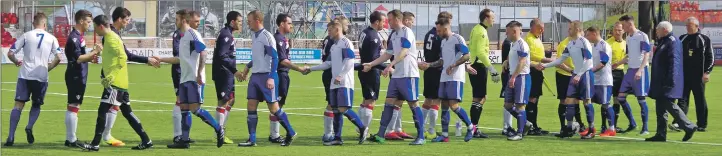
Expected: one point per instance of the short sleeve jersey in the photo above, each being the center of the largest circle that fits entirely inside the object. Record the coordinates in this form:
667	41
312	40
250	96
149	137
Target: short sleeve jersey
453	48
38	48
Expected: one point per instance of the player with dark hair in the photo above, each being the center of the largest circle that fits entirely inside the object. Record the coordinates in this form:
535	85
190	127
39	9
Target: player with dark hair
432	53
121	18
224	68
636	80
76	74
38	52
370	45
115	84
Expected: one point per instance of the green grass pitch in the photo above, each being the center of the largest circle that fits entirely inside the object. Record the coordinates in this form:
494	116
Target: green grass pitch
152	99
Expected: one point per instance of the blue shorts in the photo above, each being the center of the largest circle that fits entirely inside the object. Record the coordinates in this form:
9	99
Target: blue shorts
76	90
520	93
257	89
406	88
602	94
190	92
341	97
27	89
225	89
451	90
584	89
639	87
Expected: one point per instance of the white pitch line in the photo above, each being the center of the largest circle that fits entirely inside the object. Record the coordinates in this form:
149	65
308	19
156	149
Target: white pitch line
409	122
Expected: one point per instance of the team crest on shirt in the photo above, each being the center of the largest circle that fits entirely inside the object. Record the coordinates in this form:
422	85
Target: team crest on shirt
226	39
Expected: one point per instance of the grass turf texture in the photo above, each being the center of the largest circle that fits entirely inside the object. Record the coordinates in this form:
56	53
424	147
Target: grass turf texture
152	99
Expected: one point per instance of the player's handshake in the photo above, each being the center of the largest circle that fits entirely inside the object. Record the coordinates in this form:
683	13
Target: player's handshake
539	66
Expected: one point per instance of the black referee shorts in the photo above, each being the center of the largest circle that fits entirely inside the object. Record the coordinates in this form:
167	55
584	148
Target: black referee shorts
617	77
562	85
537	80
432	77
326	78
478	81
504	82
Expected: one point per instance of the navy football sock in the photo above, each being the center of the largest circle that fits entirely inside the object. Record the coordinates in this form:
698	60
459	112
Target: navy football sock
463	116
252	120
34	114
207	118
521	116
645	112
185	124
386	116
569	115
610	114
590	114
337	123
354	118
418	121
283	120
627	110
14	119
445	119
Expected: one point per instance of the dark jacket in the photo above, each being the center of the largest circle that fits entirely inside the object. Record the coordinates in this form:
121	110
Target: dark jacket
667	69
697	54
224	55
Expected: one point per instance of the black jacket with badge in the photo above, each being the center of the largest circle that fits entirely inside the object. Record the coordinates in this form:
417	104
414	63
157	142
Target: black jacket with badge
697	53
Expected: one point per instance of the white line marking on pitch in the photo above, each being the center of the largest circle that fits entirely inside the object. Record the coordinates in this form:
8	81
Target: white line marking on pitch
317	115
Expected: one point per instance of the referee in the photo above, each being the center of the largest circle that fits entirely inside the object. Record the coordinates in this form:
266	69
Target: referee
533	38
479	53
698	63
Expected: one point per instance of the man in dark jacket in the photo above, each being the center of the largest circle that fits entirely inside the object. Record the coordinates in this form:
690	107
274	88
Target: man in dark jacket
668	82
698	63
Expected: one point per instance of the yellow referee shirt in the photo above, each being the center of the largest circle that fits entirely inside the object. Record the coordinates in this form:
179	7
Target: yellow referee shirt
536	47
560	49
619	51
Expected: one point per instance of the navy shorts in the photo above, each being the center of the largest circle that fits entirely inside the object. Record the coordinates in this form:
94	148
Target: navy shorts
370	83
639	88
584	89
76	90
478	81
504	80
284	84
602	94
257	89
431	83
190	92
341	97
520	93
30	89
451	90
406	89
618	77
225	89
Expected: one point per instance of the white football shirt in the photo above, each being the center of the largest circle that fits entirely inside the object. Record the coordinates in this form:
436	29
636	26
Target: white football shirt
341	62
602	52
579	50
191	46
404	38
519	50
38	48
452	49
637	45
263	53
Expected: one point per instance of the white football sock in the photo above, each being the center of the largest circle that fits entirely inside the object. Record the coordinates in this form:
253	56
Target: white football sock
109	122
392	124
71	124
328	122
221	116
177	129
433	117
227	114
426	116
507	119
274	126
398	122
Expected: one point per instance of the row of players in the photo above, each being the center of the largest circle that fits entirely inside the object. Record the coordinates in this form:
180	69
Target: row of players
269	82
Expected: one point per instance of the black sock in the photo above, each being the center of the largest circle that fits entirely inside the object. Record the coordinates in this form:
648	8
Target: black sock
134	122
560	111
578	115
100	123
531	111
475	112
616	113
